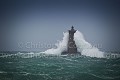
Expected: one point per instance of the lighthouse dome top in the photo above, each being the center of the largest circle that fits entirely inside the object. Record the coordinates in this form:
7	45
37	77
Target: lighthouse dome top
72	27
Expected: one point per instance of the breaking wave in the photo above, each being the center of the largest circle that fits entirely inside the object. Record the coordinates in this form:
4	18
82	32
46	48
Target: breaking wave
82	46
61	45
86	48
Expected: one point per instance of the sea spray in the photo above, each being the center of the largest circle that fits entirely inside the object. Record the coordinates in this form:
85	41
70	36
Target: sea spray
86	48
82	46
61	45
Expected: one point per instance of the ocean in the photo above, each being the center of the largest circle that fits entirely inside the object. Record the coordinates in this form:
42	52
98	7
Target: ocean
92	64
34	66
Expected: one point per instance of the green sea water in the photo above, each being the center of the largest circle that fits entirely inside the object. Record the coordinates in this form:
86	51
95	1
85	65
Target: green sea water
59	68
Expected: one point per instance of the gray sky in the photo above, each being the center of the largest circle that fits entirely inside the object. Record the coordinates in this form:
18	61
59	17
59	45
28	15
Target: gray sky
43	22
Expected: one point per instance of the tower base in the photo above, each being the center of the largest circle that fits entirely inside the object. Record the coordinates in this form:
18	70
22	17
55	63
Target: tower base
65	52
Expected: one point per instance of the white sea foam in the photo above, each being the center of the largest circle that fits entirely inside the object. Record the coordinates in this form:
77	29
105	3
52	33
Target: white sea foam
82	46
86	48
61	45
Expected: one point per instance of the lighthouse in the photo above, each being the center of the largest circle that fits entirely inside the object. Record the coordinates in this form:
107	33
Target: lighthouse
71	43
71	46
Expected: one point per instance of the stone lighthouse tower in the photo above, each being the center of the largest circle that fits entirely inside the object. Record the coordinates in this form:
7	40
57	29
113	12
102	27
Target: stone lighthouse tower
71	43
71	46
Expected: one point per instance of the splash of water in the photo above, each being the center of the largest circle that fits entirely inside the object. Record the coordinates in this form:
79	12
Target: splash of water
82	46
61	45
86	48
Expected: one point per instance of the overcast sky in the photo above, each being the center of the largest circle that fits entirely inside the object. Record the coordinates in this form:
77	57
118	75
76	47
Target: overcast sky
44	21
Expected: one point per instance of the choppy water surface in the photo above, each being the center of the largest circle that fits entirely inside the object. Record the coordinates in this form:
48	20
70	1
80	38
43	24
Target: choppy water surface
59	68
